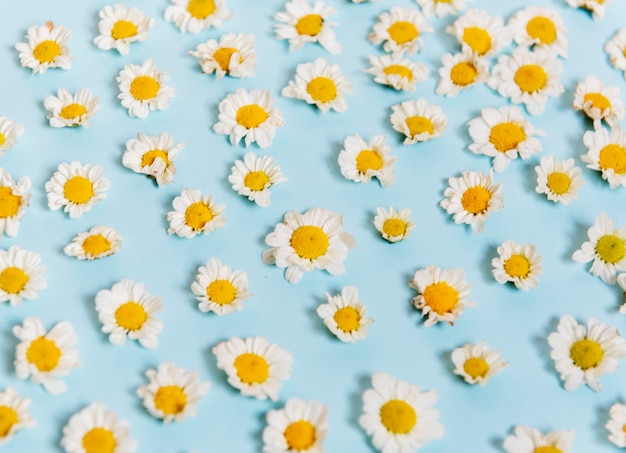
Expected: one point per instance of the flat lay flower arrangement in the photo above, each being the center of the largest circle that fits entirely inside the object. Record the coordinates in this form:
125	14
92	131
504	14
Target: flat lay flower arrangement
313	226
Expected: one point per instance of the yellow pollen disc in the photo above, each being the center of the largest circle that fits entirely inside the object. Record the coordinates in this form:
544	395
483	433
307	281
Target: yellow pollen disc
170	399
221	292
398	417
72	111
586	353
476	367
542	29
256	180
531	78
251	116
398	69
201	9
9	203
13	280
3	139
222	57
78	190
476	199
598	101
322	89
611	248
44	354
251	368
517	266
309	242
309	25
130	316
441	297
149	157
197	215
46	51
478	39
418	125
394	227
348	319
613	157
463	73
123	29
547	449
95	245
144	87
300	435
402	32
368	160
99	440
8	418
506	136
559	183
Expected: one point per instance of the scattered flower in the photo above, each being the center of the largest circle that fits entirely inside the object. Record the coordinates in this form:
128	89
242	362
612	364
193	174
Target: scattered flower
607	154
480	33
397	72
531	440
599	102
418	120
616	50
540	27
359	161
96	243
14	414
344	315
119	27
461	71
9	131
46	48
153	156
558	180
616	424
394	226
193	16
21	275
13	201
595	7
400	30
441	8
143	88
517	263
477	363
195	213
254	176
234	55
67	110
220	289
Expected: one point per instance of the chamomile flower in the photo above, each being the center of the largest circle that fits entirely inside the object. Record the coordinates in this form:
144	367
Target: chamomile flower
361	161
558	180
9	131
607	154
194	16
344	315
461	71
153	156
528	78
393	225
477	363
616	424
13	201
45	356
119	27
606	248
517	263
472	198
616	50
21	275
127	311
398	416
173	393
76	188
46	48
441	8
232	55
582	354
94	244
254	366
67	110
595	7
539	27
480	33
309	241
599	102
418	120
14	414
321	84
142	88
194	214
220	289
531	440
254	176
397	72
400	30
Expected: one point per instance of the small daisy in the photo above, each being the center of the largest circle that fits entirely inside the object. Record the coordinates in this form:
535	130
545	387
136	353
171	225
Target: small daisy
127	311
616	50
360	161
194	16
400	30
472	198
67	110
559	181
97	429
220	289
9	131
441	8
195	213
397	72
96	243
418	120
309	241
302	22
21	275
143	88
477	363
617	423
528	78
299	426
394	226
254	176
344	315
398	416
531	440
46	48
233	54
461	71
173	393
153	156
595	7
607	154
119	27
45	356
13	202
539	27
599	102
76	188
480	33
606	248
254	366
14	415
518	264
321	84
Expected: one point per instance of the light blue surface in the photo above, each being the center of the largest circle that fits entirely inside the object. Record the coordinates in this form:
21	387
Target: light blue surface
517	323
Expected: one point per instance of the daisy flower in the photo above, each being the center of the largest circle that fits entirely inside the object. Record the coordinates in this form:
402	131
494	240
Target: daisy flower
616	50
46	48
558	180
397	72
45	356
321	84
461	71
254	176
14	414
531	440
607	154
344	315
143	88
418	120
472	198
398	416
194	16
254	366
127	311
606	248
233	54
616	424
250	115
298	426
9	131
153	156
76	188
393	225
528	78
400	30
517	263
13	202
195	213
119	27
595	7
220	289
539	27
441	8
67	110
96	243
21	275
97	429
173	393
477	363
359	161
302	22
599	102
480	33
309	241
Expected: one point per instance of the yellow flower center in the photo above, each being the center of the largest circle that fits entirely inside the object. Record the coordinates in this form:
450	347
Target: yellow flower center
368	160
613	157
530	78
78	190
9	203
394	227
170	399
123	29
144	87
201	9
197	215
476	199
506	136
586	353
598	101
130	316
221	292
251	368
402	32
624	52
322	89
149	157
517	266
99	440
418	125
72	111
309	25
463	73
478	39
13	280
611	248
558	182
251	116
441	297
46	51
3	139
300	435
95	245
309	242
398	417
547	449
348	319
222	56
43	353
398	69
542	29
476	367
8	418
256	180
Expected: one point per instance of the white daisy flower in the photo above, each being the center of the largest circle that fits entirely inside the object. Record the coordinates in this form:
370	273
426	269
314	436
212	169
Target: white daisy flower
254	366
558	180
344	315
418	120
528	78
400	30
599	102
539	27
302	22
394	226
254	176
595	7
21	275
195	213
153	156
607	154
617	423
531	440
14	414
360	161
398	416
119	27
45	356
299	426
97	429
143	88
13	201
397	72
96	243
461	71
46	48
173	393
441	8
127	311
477	363
309	241
616	50
472	198
76	188
233	54
194	16
606	248
9	131
67	110
517	263
250	115
480	33
321	84
219	289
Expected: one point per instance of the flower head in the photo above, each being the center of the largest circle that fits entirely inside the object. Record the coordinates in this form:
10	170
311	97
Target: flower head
98	242
607	154
540	28
9	131
193	16
517	263
477	363
558	180
233	54
399	30
13	202
397	72
394	226
46	48
616	424
143	88
153	156
219	289
67	110
461	71
254	176
21	275
599	102
344	315
119	27
195	213
14	414
418	120
531	440
361	161
616	50
480	33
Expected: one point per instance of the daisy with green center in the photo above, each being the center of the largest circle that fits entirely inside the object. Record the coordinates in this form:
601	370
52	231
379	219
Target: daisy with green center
531	440
21	275
9	131
254	176
254	366
13	201
477	363
94	244
558	180
142	89
480	33
193	16
599	102
46	48
397	72
460	72
67	110
539	27
119	27
232	55
617	425
153	156
299	426
441	8
616	50
597	8
344	315
360	161
194	214
219	289
518	264
14	414
400	30
607	154
394	226
418	120
45	356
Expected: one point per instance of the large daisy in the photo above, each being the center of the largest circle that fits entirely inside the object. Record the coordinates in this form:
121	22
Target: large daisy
480	33
13	201
517	263
617	424
418	120
361	161
98	242
396	71
9	131
477	363
46	48
153	156
119	27
441	8
400	30
539	27
14	414
531	440
558	180
461	71
194	16
595	7
220	289
394	226
67	110
195	213
233	54
607	154
598	102
616	50
142	88
21	275
344	315
253	177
